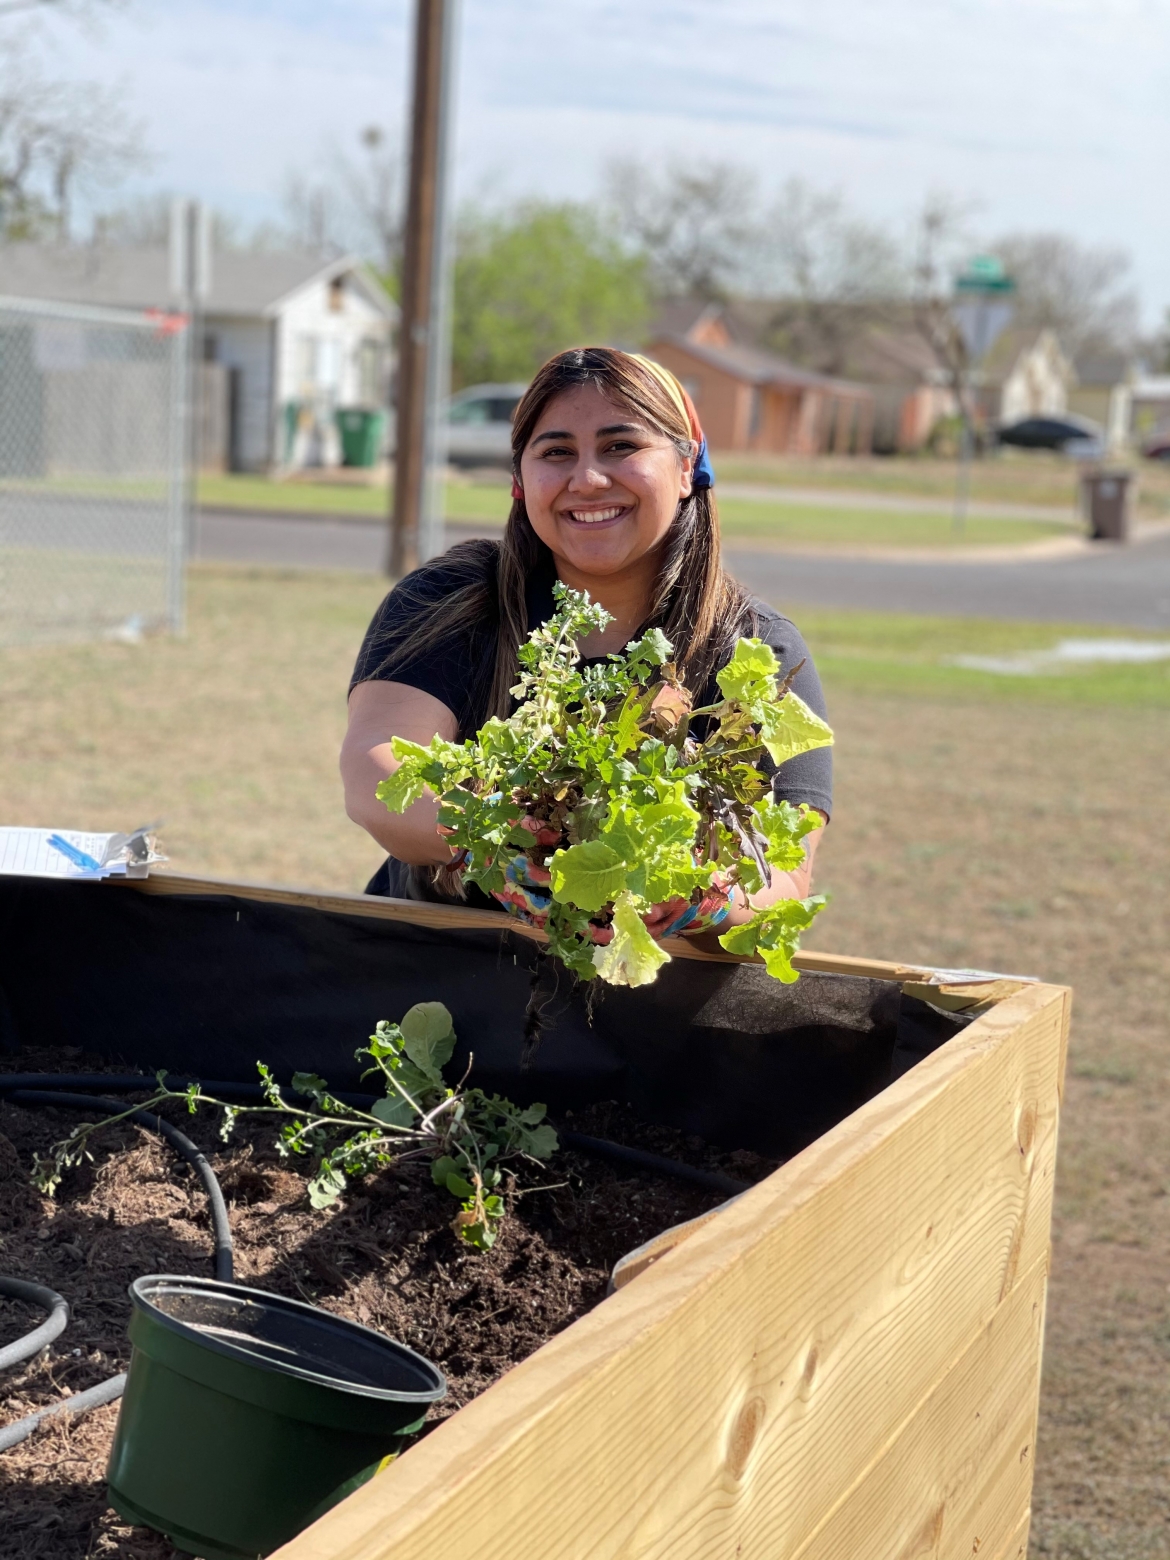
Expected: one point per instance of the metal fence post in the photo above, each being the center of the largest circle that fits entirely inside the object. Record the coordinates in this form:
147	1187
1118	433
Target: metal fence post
180	508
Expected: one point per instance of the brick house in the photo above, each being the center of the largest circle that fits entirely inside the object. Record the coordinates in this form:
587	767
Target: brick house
749	399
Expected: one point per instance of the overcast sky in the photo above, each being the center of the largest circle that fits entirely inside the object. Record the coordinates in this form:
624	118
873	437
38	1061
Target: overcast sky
1044	113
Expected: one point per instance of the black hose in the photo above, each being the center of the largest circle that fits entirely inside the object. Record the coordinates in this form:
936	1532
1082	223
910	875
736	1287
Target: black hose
52	1327
80	1403
12	1084
31	1089
179	1141
131	1083
656	1164
24	1348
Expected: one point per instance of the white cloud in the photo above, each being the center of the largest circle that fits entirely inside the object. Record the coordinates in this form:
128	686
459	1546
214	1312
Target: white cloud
1048	113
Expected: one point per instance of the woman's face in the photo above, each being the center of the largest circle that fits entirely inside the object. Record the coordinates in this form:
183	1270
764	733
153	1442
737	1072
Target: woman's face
601	487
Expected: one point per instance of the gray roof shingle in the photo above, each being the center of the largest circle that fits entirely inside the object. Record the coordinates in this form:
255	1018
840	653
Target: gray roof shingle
115	277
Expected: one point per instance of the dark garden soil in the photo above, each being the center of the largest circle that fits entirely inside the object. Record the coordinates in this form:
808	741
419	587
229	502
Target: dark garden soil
386	1256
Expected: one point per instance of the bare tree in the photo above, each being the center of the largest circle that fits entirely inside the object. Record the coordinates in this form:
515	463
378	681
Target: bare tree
1080	291
145	223
698	226
832	273
353	201
940	232
371	185
57	139
310	217
1158	349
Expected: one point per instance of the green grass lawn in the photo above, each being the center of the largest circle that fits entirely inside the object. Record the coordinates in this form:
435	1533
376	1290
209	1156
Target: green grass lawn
1010	477
897	653
798	525
779	521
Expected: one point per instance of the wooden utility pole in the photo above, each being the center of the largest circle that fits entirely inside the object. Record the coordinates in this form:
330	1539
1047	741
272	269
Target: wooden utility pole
421	337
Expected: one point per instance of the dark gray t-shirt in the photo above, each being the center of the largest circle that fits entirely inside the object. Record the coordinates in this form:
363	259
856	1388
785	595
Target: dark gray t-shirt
459	673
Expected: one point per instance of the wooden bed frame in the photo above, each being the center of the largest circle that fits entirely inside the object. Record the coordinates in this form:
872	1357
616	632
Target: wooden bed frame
842	1364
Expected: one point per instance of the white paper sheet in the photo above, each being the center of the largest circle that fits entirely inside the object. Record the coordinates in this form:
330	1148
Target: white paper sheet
27	853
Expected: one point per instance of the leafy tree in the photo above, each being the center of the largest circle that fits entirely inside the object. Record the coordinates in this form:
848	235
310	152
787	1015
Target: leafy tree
534	280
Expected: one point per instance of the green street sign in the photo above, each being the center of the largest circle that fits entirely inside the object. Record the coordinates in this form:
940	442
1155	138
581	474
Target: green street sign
984	274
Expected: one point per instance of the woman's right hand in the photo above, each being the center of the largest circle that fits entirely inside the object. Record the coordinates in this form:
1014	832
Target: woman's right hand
527	894
529	898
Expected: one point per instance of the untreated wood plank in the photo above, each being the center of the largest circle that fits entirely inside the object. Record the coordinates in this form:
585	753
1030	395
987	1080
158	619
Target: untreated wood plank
955	1478
721	1402
1016	1547
466	918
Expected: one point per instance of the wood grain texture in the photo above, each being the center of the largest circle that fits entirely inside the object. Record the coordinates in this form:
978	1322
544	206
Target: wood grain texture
465	918
957	1476
1016	1547
724	1402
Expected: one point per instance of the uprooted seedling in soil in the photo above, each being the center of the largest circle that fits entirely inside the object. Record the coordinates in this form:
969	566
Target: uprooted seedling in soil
467	1134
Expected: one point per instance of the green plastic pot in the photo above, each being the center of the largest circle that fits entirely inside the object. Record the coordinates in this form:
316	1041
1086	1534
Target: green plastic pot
246	1415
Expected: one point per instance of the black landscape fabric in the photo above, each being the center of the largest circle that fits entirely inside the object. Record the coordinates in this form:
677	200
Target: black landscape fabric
210	984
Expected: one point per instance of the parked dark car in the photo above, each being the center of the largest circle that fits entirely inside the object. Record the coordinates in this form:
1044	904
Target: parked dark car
1157	448
1050	432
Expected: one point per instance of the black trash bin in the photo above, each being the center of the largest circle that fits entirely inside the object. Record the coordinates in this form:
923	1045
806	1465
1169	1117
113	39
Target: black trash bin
1106	498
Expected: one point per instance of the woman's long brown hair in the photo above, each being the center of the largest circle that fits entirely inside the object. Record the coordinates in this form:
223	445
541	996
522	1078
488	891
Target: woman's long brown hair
698	606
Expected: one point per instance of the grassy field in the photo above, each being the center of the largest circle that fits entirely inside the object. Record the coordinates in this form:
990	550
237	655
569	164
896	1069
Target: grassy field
1010	477
1005	822
1036	478
782	521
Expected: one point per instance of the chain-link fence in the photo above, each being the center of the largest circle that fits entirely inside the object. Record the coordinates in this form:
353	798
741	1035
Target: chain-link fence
92	472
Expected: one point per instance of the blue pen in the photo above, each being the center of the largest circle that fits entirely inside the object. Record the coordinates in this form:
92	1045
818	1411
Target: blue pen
71	853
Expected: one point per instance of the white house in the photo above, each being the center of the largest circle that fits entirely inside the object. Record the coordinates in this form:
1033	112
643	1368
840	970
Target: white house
1026	374
288	338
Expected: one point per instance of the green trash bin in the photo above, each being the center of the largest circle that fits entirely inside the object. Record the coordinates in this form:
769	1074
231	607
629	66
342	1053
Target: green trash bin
361	432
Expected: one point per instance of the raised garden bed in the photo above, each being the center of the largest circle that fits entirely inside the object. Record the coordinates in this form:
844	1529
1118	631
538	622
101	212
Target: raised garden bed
842	1362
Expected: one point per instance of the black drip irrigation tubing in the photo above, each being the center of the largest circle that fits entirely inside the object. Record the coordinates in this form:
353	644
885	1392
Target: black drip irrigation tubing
55	1304
656	1164
45	1089
598	1148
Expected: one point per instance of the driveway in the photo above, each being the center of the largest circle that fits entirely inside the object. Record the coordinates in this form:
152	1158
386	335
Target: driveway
1129	586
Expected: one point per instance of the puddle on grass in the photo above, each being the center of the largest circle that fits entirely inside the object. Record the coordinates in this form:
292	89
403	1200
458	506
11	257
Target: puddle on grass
1066	655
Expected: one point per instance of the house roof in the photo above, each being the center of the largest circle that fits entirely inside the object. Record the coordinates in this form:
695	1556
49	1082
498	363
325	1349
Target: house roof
892	355
1104	368
1013	344
113	276
681	316
757	367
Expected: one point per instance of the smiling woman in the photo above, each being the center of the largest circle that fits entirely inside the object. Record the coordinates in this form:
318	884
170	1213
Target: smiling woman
612	495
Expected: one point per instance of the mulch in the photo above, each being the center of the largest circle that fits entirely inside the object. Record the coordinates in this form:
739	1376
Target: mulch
385	1256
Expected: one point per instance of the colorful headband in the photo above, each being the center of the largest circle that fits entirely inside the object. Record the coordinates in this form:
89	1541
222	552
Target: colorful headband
703	473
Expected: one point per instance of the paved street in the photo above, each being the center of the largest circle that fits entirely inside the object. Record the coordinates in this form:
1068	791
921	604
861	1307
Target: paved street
1129	586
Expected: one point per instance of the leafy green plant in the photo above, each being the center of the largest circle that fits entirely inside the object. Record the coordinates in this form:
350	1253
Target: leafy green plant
466	1133
599	780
